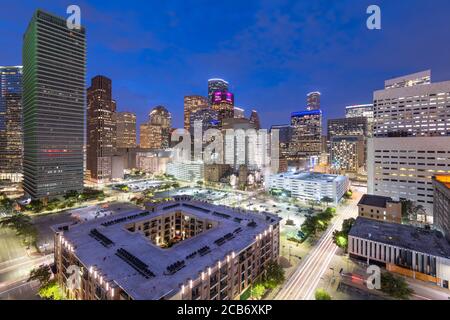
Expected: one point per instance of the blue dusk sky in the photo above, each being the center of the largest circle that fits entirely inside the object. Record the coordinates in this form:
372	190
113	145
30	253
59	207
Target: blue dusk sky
272	52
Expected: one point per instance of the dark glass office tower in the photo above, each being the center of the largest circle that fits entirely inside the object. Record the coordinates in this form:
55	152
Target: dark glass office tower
101	129
54	68
11	144
215	85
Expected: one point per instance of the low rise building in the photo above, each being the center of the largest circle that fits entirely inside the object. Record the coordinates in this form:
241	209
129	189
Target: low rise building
192	171
154	162
380	208
441	209
307	186
216	172
180	250
417	253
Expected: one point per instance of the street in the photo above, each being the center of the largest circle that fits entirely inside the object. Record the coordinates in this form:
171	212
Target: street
303	283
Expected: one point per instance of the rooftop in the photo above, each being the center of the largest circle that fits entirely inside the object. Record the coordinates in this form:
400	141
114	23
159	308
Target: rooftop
306	113
375	201
445	180
309	176
234	231
404	236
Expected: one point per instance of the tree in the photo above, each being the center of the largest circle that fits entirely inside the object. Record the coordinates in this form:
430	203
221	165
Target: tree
340	238
327	200
41	274
310	226
410	210
274	275
258	291
51	291
348	194
72	194
394	286
6	204
23	226
347	225
321	294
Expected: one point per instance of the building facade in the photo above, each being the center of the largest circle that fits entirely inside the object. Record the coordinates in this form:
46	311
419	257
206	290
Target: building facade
151	137
403	168
411	139
306	133
254	118
223	104
125	129
308	186
215	85
380	208
192	171
356	126
193	104
207	117
412	252
154	162
227	252
313	101
361	110
441	210
101	129
54	94
11	132
347	153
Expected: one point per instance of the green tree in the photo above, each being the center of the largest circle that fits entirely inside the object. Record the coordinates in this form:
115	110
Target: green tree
321	294
51	291
309	227
41	274
23	227
73	194
327	200
258	291
394	286
274	275
340	238
6	204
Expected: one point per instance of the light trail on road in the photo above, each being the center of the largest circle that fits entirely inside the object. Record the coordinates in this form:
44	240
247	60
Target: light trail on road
303	282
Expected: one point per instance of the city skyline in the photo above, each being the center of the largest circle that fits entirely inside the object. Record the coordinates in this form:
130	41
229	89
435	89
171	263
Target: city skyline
258	83
297	150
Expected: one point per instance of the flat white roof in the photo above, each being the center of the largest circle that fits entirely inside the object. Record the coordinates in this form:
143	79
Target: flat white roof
113	269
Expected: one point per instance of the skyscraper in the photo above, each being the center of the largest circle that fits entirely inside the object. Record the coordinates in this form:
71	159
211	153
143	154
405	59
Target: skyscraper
160	116
239	113
150	137
101	129
411	139
215	85
125	130
191	105
156	133
223	103
54	69
313	101
306	133
207	117
361	110
357	126
254	118
11	143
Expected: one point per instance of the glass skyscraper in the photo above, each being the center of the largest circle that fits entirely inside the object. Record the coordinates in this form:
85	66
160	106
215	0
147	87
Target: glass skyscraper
54	70
215	85
11	143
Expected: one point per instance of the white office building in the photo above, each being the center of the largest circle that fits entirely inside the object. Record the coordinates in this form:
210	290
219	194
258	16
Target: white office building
402	168
307	186
411	139
192	171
